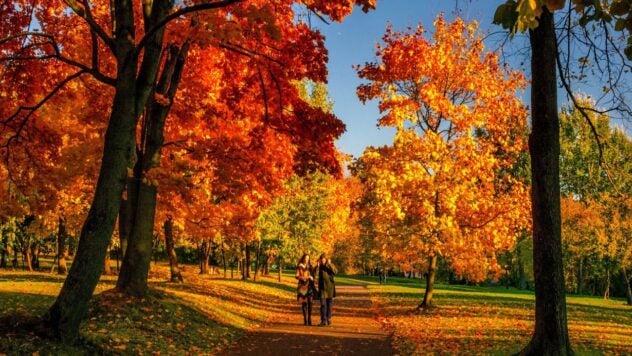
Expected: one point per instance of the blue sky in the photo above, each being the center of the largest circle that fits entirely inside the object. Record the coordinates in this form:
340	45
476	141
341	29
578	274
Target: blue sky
353	42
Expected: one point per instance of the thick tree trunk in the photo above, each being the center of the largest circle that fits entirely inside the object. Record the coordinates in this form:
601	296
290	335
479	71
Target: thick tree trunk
136	263
176	276
71	304
628	290
430	279
70	307
550	336
62	247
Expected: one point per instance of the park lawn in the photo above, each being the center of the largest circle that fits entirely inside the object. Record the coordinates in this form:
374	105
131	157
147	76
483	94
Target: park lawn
491	320
200	316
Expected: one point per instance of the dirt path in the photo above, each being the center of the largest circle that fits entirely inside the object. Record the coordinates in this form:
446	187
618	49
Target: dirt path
354	331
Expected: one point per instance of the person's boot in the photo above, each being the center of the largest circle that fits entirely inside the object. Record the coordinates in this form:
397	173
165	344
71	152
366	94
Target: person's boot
304	307
309	314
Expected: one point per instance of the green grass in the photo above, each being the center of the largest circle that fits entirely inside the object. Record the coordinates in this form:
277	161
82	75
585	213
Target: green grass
200	316
494	320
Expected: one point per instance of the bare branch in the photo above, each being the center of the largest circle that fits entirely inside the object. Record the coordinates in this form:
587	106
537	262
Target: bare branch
581	108
50	40
85	13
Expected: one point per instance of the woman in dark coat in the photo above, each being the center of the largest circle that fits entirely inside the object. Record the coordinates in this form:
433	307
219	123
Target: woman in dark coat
326	288
305	288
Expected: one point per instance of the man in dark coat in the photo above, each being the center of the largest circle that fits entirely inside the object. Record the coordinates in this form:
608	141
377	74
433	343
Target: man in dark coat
326	288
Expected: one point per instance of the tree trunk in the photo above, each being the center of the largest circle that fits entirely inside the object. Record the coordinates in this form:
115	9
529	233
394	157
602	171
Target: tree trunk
135	267
628	290
27	258
62	247
550	336
35	252
203	253
70	307
280	266
125	223
247	262
176	276
430	279
223	257
580	275
107	266
257	260
4	254
266	265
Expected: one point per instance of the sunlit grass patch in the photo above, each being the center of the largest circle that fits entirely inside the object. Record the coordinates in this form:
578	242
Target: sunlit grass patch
200	316
494	320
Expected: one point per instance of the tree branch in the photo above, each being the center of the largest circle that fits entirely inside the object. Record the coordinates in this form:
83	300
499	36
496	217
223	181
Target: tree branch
189	9
32	108
85	13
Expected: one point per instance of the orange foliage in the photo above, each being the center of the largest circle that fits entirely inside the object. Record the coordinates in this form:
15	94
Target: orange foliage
446	186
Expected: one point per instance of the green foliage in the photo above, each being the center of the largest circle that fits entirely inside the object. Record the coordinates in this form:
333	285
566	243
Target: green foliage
581	174
294	223
315	94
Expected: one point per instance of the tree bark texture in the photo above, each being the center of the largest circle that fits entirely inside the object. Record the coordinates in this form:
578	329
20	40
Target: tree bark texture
125	224
176	276
550	336
204	252
430	279
143	194
70	307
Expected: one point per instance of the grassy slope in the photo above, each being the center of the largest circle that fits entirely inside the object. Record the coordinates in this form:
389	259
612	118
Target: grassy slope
206	313
493	320
200	316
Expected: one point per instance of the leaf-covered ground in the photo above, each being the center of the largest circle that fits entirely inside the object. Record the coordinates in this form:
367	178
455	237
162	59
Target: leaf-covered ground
493	320
200	316
207	313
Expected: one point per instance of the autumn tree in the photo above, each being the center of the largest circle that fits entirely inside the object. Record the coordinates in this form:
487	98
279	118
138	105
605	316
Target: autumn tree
444	187
119	44
537	16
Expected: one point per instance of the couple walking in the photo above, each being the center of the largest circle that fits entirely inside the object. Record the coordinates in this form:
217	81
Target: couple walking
306	273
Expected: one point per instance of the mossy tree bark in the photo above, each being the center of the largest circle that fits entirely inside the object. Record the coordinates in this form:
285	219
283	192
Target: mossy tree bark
550	336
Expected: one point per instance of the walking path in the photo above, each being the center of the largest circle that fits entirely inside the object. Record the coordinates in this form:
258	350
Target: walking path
354	331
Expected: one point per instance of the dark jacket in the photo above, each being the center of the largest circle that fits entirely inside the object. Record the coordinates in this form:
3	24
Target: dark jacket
326	285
